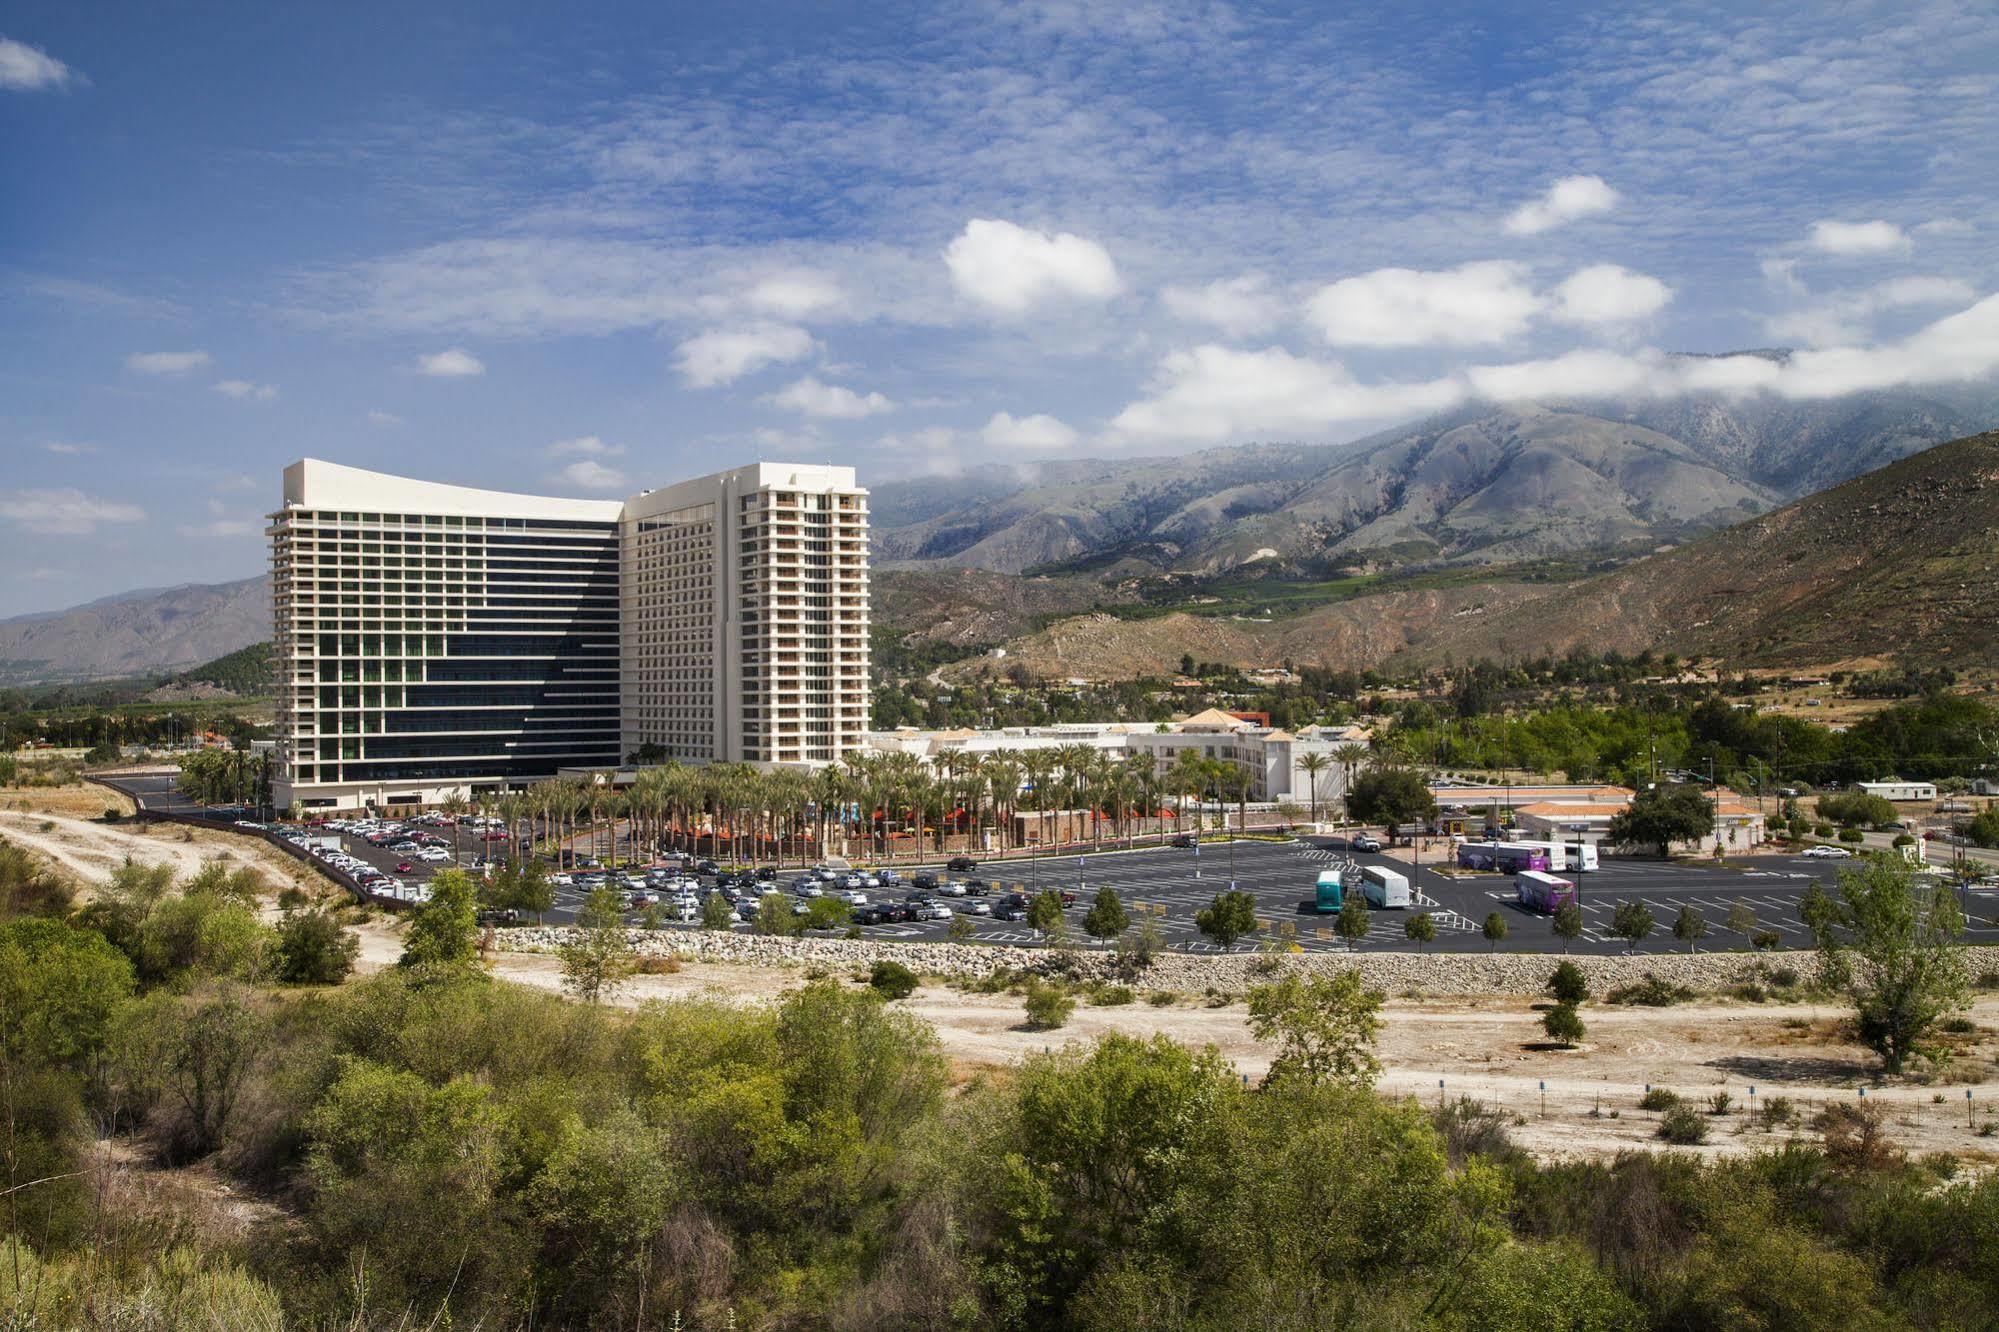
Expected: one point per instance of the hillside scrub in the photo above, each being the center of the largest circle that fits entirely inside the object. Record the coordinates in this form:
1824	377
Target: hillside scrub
444	1149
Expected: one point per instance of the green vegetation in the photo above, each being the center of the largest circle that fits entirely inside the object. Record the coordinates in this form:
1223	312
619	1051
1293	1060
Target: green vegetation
1494	930
1228	917
1563	1025
1106	918
439	1149
1857	809
1683	1126
1048	1004
1567	984
1392	796
1662	816
892	980
1888	943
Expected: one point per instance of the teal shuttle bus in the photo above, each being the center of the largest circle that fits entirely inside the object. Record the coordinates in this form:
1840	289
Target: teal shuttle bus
1332	895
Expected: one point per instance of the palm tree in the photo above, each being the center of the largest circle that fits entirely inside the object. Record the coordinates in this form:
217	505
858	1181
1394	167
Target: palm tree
1312	765
454	807
1350	757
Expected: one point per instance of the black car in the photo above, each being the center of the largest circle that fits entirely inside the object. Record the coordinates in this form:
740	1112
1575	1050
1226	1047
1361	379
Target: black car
766	873
705	867
924	879
1008	911
498	916
867	915
977	887
900	911
960	864
1185	840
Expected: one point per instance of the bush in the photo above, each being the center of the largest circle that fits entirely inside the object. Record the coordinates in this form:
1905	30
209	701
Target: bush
1650	993
1784	978
1161	998
1563	1024
1107	995
1719	1103
1822	830
1852	836
892	980
1048	1006
1778	1112
1683	1126
1960	1026
1904	839
312	949
1568	984
1659	1098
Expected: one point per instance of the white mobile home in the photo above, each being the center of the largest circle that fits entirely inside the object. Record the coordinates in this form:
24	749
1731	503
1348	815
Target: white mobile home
1899	790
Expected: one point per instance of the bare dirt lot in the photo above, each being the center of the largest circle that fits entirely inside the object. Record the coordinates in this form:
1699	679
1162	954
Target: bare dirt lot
1489	1049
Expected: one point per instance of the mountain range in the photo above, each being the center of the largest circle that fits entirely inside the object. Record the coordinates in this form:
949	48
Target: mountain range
1485	486
1493	488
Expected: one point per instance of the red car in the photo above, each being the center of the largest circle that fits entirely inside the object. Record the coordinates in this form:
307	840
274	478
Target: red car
404	867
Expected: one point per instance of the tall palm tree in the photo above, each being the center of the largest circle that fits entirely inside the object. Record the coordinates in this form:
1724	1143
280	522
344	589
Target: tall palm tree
1312	765
454	807
1350	757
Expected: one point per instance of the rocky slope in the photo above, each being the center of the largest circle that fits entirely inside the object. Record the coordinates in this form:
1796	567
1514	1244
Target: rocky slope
137	633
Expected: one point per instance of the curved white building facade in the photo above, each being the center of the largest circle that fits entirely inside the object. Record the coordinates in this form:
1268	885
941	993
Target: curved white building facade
435	640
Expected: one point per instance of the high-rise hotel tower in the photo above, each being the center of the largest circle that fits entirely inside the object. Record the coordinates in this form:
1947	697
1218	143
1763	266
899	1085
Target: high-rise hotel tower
435	639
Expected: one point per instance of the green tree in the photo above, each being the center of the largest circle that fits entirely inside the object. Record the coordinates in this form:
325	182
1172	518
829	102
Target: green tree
1563	1024
1857	809
536	893
1889	943
60	989
1420	929
1531	1287
1325	1028
1741	919
1494	930
1106	919
1983	830
960	930
1048	1005
828	913
444	931
194	1055
1392	796
892	980
775	916
1227	918
1567	924
313	948
1632	922
1352	922
1568	984
1044	912
1662	816
1690	926
716	913
599	956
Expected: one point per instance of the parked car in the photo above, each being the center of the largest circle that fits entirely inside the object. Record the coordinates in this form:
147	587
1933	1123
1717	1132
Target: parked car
1186	840
977	887
1828	853
961	864
404	867
887	878
938	911
1364	842
924	879
951	889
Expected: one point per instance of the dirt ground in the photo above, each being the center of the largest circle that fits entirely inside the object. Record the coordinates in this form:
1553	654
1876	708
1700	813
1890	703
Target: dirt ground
1489	1049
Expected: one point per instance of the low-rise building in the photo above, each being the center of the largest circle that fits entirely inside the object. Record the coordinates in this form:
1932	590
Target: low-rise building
1898	790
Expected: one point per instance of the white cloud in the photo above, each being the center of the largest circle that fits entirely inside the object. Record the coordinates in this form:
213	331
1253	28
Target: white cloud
795	295
167	363
245	390
453	363
1608	294
585	446
381	418
1568	199
1488	301
23	68
1011	268
68	449
589	474
1945	226
1849	238
810	397
722	356
1238	306
1037	433
1212	393
66	512
1843	320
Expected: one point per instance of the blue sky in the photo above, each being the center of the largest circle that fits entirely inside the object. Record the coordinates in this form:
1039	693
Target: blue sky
592	248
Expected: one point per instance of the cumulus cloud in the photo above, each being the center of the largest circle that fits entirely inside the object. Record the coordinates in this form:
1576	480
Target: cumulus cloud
167	363
1608	294
832	402
244	390
585	446
452	363
68	448
65	512
722	356
589	474
1037	433
1568	199
1851	238
1011	268
24	68
1212	394
795	295
1238	306
1488	301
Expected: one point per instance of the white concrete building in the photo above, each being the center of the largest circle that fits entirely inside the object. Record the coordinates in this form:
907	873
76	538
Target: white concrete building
1899	790
434	640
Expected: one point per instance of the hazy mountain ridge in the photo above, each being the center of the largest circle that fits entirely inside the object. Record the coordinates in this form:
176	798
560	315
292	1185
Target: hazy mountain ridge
136	633
1484	485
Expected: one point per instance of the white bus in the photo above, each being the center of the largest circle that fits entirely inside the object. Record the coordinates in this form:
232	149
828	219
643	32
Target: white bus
1384	887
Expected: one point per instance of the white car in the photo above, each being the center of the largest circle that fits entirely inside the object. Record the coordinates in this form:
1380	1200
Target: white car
951	889
856	899
937	911
1829	853
433	854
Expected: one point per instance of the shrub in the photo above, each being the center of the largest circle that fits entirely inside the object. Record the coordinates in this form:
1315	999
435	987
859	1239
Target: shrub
1160	998
312	949
1563	1024
1779	1112
1750	992
1784	978
1851	836
1822	830
1650	993
1107	995
1903	839
892	980
1719	1103
1659	1098
1568	984
1683	1126
1960	1026
1048	1006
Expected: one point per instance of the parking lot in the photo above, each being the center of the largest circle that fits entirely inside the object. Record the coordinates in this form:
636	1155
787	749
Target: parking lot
1168	885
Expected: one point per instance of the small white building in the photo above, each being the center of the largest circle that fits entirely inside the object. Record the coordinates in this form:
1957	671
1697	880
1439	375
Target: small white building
1899	790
